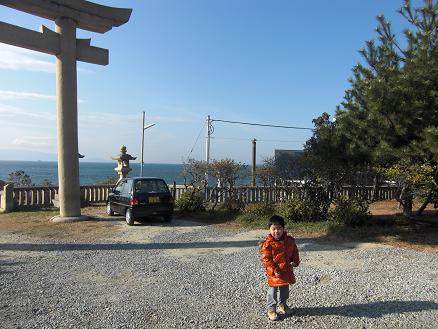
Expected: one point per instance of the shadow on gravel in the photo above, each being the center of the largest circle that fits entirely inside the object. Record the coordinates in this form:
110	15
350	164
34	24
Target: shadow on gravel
177	221
4	263
92	218
124	246
304	244
371	310
313	244
416	231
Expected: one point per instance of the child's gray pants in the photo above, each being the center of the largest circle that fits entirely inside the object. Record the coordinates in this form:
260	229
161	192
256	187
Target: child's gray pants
271	296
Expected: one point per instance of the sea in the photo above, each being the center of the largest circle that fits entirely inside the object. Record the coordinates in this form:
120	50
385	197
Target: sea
89	172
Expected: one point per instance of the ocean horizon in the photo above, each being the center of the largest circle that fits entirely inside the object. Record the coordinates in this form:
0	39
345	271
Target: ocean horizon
89	172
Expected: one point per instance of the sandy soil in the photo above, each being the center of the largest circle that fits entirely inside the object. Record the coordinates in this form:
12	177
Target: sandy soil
390	208
36	226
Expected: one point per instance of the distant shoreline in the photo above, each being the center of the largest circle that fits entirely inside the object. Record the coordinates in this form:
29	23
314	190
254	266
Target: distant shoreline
85	161
89	172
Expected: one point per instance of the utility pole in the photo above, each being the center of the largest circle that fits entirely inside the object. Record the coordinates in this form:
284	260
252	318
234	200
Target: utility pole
207	141
142	143
207	145
142	146
254	162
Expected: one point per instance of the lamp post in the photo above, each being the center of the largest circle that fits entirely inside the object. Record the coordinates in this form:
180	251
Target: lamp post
142	143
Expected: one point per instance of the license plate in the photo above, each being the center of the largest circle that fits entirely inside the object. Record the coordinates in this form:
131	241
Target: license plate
154	199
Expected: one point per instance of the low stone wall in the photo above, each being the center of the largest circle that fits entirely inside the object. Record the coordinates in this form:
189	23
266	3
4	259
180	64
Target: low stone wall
20	197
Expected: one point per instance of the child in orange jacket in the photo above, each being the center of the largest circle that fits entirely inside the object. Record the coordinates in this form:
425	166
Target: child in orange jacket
279	256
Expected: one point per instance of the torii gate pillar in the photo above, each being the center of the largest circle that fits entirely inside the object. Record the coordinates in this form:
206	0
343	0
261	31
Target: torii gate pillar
67	121
68	15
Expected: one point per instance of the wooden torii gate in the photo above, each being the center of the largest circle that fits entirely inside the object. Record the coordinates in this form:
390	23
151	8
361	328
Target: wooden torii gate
67	15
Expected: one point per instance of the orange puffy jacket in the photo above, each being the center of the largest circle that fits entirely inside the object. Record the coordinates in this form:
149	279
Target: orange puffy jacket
277	256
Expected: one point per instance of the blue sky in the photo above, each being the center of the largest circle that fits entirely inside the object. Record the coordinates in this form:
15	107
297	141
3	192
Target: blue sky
279	62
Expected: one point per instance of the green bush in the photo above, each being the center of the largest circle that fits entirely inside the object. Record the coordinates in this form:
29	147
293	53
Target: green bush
20	179
258	212
316	203
312	205
190	201
259	209
232	205
350	212
109	180
293	210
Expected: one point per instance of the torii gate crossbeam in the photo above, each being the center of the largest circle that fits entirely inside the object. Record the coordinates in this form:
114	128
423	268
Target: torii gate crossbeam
67	15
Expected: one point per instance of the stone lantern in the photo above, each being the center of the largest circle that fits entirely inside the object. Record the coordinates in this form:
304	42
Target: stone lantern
123	163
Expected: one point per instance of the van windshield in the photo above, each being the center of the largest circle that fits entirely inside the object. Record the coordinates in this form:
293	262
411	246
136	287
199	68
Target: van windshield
150	186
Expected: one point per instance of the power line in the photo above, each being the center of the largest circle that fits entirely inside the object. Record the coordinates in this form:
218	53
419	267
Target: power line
281	140
261	124
196	141
258	140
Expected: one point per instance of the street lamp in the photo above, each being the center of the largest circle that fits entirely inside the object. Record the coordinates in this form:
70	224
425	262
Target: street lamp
142	143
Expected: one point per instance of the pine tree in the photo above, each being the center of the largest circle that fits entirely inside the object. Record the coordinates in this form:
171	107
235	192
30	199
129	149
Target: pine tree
392	106
389	116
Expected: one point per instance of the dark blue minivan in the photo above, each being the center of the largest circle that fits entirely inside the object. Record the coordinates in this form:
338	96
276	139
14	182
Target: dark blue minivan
139	197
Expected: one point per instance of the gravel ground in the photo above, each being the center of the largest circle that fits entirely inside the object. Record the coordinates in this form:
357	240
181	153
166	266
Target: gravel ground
187	275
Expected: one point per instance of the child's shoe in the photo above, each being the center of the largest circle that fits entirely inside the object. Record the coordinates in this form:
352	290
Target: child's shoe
272	315
283	309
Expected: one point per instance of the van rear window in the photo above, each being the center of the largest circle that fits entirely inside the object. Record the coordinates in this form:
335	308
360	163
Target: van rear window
151	186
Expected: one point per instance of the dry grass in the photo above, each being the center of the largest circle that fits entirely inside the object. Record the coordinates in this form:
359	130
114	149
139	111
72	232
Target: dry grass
386	226
36	224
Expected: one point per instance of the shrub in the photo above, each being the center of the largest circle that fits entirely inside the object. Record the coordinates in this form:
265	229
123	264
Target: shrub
317	203
46	182
109	180
293	210
190	200
258	212
350	211
310	206
20	179
233	204
259	209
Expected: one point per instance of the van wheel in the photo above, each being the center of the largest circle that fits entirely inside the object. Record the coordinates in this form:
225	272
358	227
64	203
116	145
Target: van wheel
109	211
129	217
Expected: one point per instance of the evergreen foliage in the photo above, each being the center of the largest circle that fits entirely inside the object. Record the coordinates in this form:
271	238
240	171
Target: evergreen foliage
388	120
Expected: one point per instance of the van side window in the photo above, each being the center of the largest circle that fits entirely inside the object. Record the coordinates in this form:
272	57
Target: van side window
128	186
119	188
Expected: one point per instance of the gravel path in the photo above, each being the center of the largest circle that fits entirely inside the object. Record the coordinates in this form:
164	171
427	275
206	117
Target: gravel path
186	275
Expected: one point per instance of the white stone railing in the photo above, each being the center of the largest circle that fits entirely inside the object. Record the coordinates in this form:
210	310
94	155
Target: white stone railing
251	194
45	196
34	196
